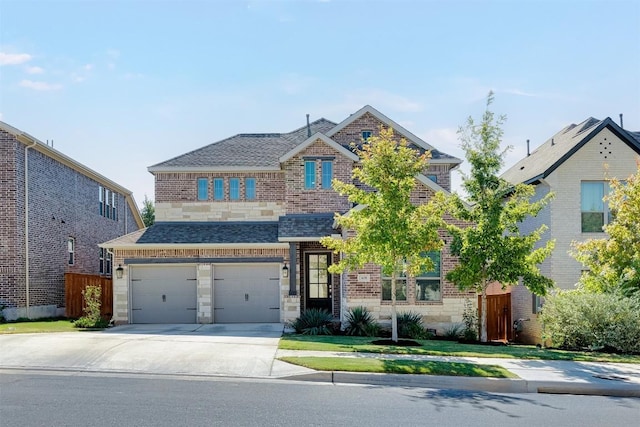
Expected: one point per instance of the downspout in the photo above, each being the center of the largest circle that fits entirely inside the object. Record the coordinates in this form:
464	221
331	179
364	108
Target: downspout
26	223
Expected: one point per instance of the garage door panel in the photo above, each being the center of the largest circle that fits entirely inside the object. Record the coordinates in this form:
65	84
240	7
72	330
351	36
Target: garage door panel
247	293
163	294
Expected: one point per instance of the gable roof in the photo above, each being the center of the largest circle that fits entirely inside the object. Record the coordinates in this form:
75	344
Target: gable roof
313	138
36	144
549	156
436	155
245	151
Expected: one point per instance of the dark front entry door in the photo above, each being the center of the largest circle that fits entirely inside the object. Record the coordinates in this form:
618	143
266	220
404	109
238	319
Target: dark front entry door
318	281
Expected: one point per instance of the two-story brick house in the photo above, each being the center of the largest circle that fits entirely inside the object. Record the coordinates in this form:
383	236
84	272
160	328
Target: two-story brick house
237	231
53	214
575	165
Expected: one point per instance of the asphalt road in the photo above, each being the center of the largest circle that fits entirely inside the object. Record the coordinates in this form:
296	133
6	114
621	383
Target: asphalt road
40	398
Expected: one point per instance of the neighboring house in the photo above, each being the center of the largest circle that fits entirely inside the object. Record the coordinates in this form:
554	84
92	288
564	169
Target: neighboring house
575	165
64	209
237	232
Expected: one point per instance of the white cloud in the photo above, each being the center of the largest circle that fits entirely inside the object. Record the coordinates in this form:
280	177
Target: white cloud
43	86
113	53
383	100
14	58
34	70
88	67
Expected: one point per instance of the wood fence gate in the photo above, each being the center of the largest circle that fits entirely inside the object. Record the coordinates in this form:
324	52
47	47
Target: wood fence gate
499	327
75	283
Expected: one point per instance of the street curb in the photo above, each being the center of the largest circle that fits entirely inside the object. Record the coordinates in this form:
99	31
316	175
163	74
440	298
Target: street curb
491	385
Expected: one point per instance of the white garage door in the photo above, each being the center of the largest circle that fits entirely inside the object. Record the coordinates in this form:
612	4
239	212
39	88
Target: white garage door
246	293
163	294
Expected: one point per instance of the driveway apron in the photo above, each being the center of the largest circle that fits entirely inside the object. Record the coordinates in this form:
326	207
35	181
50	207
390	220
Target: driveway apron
239	350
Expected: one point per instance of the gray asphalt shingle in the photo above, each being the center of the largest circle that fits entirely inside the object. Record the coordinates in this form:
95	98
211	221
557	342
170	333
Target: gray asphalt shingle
211	232
306	225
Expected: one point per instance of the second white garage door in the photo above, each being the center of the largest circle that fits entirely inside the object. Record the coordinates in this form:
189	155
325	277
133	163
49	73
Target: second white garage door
246	293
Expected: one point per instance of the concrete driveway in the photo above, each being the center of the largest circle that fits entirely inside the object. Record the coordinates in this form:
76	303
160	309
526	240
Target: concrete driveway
238	350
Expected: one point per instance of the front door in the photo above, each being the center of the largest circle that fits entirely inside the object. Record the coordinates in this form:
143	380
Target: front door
318	281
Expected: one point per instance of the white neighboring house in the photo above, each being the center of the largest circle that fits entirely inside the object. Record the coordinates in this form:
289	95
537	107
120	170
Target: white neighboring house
575	164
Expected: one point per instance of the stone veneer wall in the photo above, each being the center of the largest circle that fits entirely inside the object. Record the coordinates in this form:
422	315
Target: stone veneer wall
222	211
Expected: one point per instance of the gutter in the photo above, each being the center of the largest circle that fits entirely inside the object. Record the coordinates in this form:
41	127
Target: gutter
26	224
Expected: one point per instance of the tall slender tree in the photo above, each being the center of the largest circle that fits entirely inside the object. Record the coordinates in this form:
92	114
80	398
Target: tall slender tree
389	230
148	212
493	249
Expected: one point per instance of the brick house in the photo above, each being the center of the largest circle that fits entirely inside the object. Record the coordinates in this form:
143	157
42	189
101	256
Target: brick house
65	209
574	164
237	231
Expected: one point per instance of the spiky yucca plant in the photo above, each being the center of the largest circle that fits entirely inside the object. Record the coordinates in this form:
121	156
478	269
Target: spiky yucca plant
313	321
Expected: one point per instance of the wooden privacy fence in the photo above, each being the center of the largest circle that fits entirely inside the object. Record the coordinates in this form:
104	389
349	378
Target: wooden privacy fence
499	327
75	283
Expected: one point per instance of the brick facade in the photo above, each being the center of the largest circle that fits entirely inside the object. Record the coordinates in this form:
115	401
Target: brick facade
63	204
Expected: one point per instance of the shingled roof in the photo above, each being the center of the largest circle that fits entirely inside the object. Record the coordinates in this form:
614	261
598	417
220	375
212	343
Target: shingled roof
211	232
305	226
546	158
245	150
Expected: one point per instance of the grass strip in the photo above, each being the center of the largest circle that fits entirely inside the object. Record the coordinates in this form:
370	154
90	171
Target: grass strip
341	343
32	327
391	366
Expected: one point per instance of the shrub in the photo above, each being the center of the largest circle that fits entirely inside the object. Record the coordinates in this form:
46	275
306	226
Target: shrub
313	321
360	323
578	319
92	304
410	326
470	320
454	331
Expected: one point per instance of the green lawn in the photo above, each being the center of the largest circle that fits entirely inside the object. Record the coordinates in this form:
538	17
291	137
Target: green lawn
353	364
30	327
446	348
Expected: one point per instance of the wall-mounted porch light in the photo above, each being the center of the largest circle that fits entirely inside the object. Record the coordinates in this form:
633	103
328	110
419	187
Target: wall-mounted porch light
285	271
119	271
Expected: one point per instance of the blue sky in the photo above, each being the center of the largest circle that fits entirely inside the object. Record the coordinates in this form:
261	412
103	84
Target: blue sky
122	85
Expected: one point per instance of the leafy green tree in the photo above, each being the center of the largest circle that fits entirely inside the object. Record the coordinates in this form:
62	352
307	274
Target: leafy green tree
389	231
148	212
492	248
614	262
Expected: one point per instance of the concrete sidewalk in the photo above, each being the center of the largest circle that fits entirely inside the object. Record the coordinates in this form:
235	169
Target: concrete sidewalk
251	351
536	376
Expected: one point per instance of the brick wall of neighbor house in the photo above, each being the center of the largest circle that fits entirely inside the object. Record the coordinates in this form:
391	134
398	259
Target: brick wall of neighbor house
62	204
522	299
11	240
442	173
300	200
177	199
604	156
205	286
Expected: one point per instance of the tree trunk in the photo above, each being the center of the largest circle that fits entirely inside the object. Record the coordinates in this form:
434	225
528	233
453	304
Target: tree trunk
394	315
483	316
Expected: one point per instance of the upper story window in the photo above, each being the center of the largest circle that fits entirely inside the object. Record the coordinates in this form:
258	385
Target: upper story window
203	188
594	210
366	134
218	189
327	173
250	188
71	249
309	174
433	178
107	203
234	188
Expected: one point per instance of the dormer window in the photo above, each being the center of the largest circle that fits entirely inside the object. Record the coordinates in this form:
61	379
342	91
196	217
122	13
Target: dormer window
327	173
366	134
309	174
